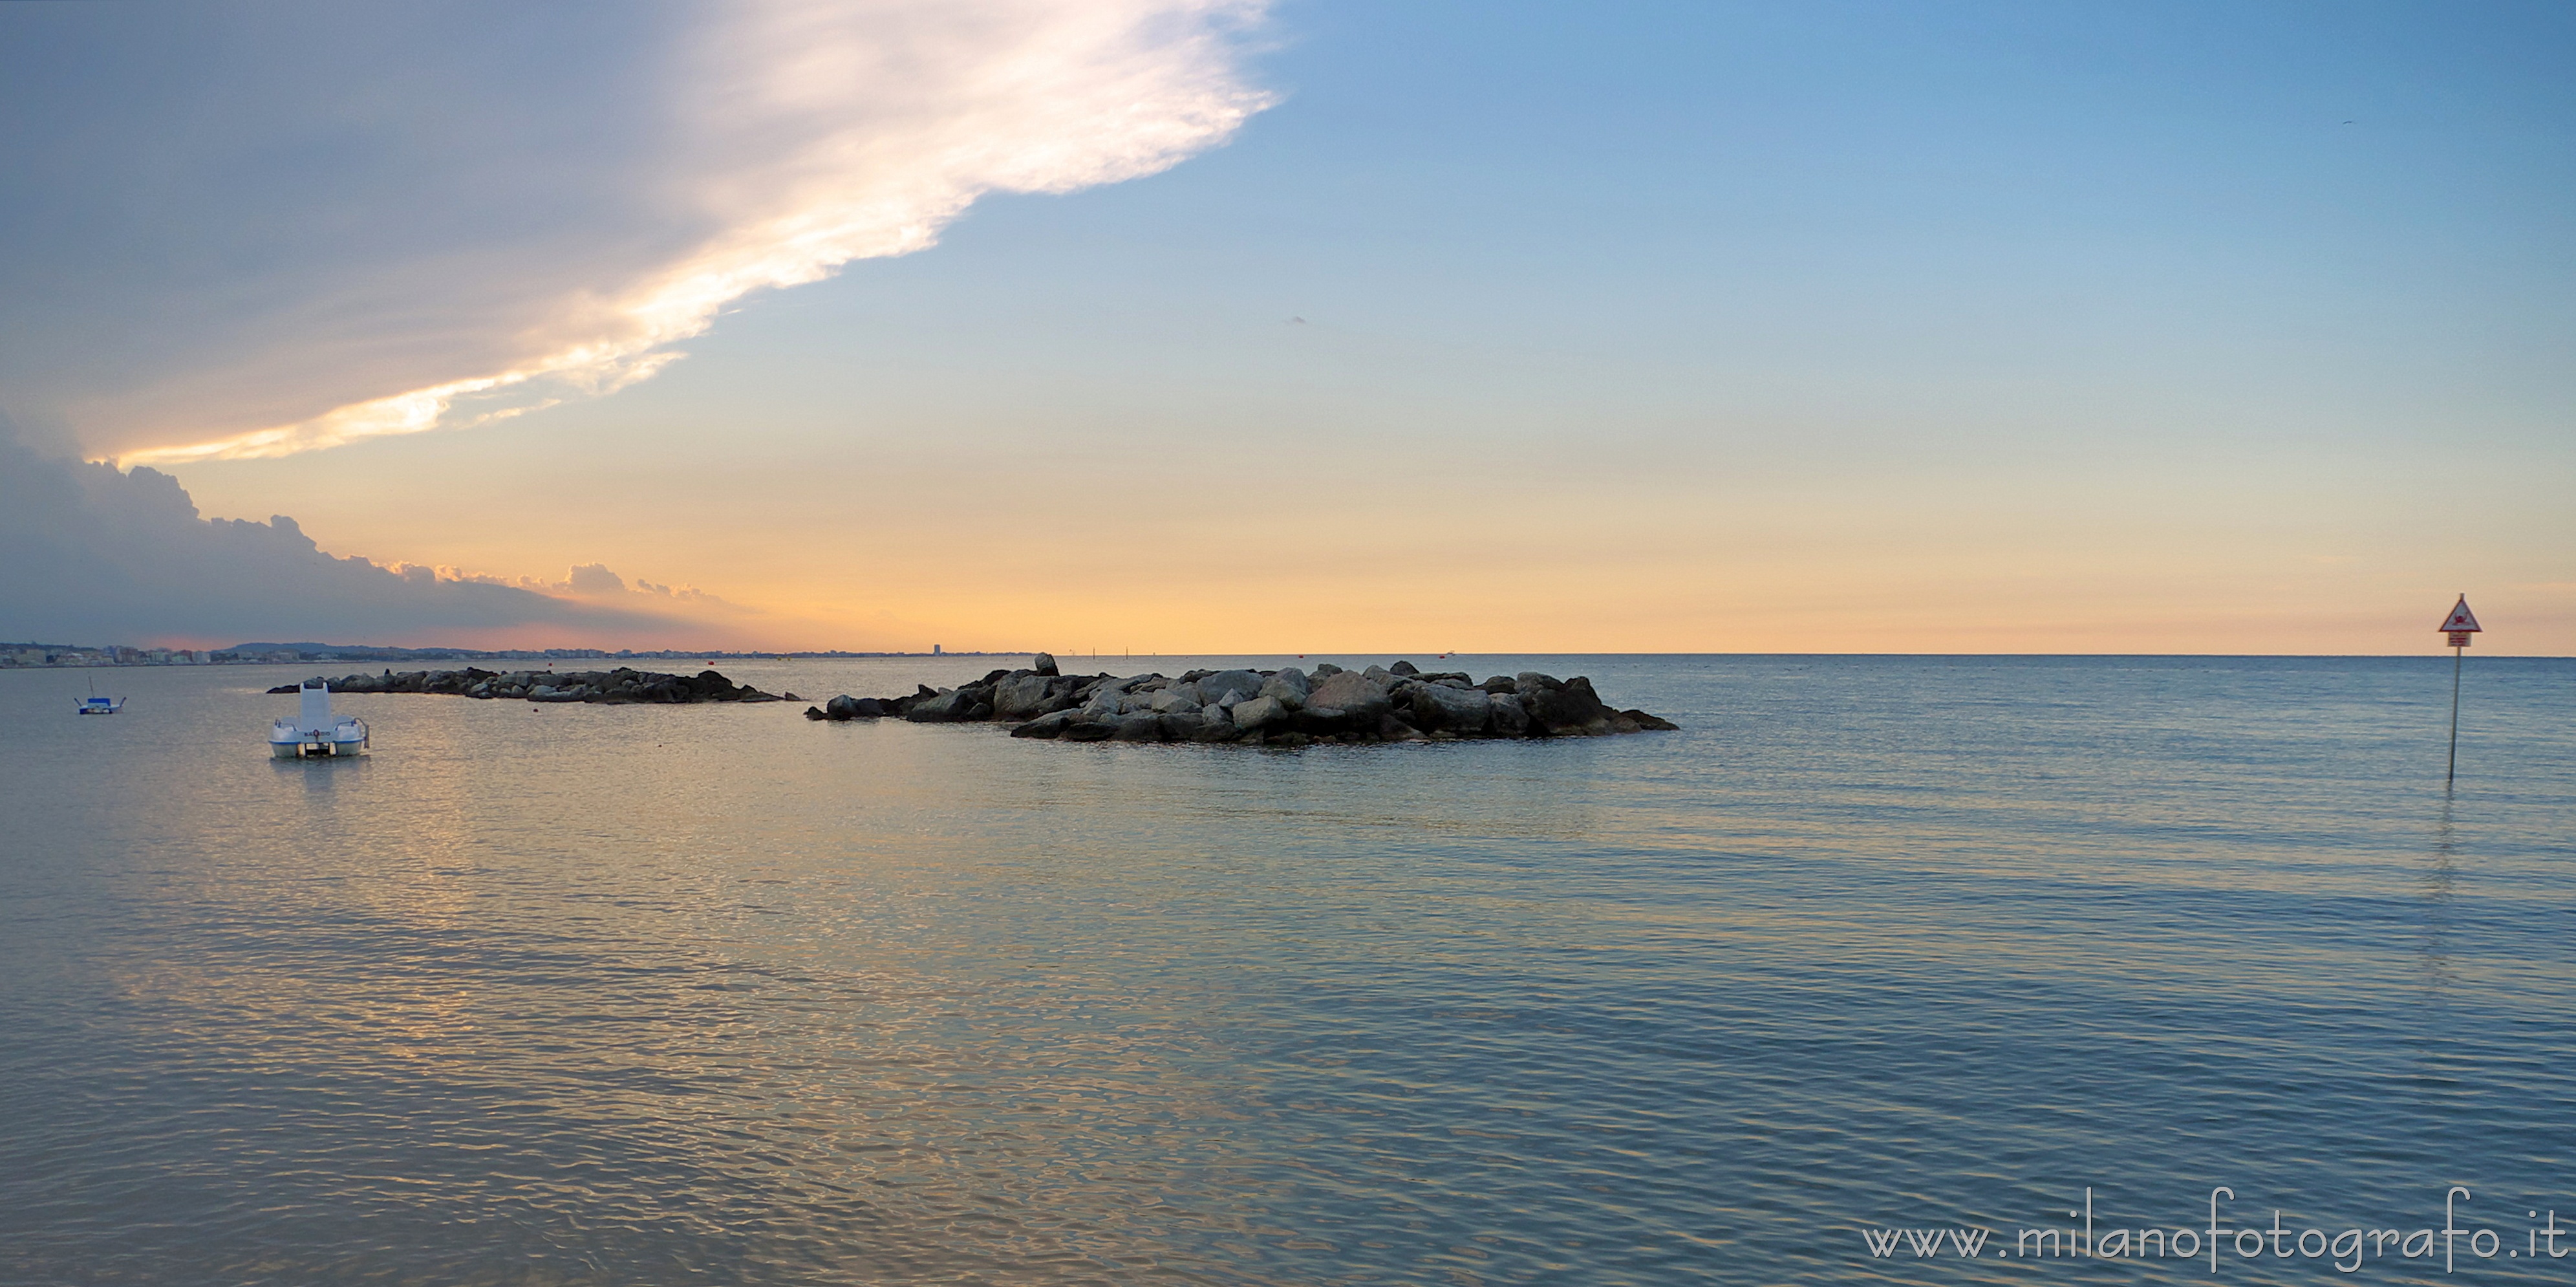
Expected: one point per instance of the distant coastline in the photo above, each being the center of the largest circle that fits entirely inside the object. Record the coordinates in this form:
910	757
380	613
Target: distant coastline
15	656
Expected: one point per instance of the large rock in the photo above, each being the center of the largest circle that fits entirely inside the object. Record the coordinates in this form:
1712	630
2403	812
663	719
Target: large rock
1247	683
1052	724
1344	701
1391	729
1216	724
1438	707
1044	664
1023	696
1288	687
1507	717
1259	713
1567	709
1087	730
946	707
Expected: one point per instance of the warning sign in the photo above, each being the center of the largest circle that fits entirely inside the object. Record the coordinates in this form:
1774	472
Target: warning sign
2461	620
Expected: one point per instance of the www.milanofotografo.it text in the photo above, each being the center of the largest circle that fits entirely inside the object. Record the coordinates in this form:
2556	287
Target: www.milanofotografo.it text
2455	1245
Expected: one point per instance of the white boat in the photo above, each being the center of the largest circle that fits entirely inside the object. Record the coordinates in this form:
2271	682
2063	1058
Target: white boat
313	733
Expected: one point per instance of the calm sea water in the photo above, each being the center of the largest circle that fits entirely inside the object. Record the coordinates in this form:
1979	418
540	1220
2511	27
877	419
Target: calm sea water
642	995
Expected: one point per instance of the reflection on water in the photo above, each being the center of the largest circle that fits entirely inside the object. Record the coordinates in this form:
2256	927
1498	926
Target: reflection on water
640	995
2439	877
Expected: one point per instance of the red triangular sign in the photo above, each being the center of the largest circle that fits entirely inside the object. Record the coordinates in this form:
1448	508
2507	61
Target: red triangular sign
2461	618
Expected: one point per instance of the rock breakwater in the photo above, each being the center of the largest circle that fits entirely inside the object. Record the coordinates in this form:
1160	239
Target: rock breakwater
608	687
1285	707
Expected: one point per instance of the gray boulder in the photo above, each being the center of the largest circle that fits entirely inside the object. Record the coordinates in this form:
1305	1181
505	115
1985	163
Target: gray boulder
1259	713
1213	688
1052	724
948	706
1288	687
1568	709
1044	664
1391	729
1138	728
1079	729
1345	701
1462	711
1506	717
1022	696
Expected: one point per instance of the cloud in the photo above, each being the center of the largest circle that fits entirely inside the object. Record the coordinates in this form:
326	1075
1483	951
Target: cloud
94	554
594	578
276	228
594	583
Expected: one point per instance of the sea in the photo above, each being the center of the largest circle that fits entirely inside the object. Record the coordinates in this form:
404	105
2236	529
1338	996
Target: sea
2096	969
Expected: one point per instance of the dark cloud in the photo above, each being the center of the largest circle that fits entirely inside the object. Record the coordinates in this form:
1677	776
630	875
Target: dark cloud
232	215
101	555
242	228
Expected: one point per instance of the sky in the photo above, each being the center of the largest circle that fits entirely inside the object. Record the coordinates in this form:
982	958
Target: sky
1194	326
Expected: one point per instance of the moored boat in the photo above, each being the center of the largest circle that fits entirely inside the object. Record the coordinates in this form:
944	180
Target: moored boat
314	733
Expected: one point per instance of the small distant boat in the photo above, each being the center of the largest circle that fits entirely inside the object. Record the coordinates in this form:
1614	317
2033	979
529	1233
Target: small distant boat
97	705
313	733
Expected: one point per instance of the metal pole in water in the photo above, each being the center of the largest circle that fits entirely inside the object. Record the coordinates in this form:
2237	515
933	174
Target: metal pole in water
2452	769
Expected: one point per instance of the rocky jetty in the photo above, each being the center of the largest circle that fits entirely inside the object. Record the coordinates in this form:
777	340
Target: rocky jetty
611	687
1287	707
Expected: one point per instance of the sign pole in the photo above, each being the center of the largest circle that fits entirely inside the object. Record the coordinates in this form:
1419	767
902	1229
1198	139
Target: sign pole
2459	626
2452	770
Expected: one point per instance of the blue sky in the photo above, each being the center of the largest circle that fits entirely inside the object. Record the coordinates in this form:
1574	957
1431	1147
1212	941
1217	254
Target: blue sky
1942	327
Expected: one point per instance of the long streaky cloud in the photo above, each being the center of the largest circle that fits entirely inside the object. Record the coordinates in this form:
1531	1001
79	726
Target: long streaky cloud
800	137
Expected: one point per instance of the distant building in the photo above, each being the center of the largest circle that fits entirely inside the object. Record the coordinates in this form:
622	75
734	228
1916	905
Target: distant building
934	650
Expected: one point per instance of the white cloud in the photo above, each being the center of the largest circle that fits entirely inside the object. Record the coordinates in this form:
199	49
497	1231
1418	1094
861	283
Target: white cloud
782	140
